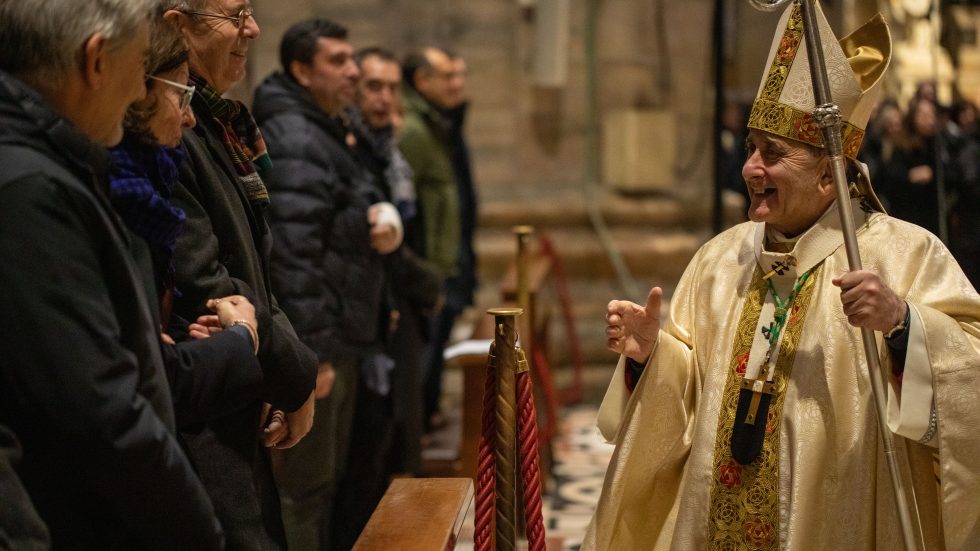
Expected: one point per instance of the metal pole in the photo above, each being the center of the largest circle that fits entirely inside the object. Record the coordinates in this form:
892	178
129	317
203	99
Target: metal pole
827	116
718	209
505	346
523	234
938	142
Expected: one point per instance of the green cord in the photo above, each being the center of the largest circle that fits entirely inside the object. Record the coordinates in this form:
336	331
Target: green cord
782	307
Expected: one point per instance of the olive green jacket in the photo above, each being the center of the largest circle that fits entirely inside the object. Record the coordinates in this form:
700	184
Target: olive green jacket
424	141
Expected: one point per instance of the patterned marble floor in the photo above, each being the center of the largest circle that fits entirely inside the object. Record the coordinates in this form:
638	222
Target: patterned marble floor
580	460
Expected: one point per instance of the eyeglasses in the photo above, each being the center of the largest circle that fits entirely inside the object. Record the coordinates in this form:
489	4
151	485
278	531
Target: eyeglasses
238	19
185	98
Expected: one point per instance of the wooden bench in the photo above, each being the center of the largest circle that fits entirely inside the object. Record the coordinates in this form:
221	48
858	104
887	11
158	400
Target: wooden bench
418	514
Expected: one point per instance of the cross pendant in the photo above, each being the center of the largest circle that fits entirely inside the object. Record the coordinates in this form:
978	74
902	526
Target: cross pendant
758	388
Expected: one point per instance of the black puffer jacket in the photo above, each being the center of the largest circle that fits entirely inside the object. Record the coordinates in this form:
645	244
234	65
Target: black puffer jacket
326	275
82	379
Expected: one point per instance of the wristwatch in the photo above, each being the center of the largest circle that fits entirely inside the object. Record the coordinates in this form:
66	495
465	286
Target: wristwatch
901	327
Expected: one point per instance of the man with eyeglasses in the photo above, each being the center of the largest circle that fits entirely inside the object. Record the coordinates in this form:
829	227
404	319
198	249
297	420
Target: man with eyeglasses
225	249
82	382
240	18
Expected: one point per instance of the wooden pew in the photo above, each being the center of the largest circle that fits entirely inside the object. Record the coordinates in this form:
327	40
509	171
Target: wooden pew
418	514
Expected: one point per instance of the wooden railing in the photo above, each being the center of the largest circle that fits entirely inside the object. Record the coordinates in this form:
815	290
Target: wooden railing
418	514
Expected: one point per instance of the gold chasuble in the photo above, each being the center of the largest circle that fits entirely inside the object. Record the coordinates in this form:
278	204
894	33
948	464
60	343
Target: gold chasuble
817	479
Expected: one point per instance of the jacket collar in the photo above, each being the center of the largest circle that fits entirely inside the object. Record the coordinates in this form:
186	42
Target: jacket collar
434	117
30	120
279	93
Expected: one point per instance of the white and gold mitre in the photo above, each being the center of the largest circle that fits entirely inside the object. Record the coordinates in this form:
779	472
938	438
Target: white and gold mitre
855	65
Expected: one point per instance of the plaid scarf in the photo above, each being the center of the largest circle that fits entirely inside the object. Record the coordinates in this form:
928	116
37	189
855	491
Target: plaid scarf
241	138
141	184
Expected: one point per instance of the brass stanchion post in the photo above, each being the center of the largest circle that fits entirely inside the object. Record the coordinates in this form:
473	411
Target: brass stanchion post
505	350
523	234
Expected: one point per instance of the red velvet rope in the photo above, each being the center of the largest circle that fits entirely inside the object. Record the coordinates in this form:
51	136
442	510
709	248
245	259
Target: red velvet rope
529	461
485	479
530	468
572	394
543	370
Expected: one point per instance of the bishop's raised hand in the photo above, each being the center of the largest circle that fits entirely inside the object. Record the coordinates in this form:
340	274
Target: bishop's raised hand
632	329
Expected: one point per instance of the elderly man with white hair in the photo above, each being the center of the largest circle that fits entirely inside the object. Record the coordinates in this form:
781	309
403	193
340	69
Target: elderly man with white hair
81	376
225	248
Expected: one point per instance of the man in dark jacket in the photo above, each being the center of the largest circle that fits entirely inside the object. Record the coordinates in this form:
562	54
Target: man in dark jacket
332	229
416	284
225	249
81	374
460	289
389	431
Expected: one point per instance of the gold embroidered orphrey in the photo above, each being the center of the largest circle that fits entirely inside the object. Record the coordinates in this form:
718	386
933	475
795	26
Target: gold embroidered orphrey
744	506
769	115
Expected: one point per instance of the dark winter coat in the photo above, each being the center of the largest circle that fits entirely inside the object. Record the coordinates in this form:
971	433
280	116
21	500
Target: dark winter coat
460	289
328	277
916	203
21	529
208	378
416	286
81	374
224	249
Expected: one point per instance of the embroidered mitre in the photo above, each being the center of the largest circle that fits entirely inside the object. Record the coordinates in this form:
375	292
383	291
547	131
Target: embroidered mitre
785	102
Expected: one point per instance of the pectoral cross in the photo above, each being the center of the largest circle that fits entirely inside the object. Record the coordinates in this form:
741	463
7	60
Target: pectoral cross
758	387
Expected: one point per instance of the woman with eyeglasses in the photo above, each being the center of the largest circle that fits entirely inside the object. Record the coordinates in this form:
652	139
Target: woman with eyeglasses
146	161
209	377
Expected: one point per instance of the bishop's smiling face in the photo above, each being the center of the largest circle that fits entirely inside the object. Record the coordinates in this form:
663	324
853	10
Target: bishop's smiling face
789	183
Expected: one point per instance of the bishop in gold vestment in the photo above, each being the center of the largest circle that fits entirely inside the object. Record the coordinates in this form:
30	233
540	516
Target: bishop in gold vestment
751	422
820	482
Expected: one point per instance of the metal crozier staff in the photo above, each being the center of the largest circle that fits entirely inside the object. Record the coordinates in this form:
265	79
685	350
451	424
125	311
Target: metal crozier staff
828	118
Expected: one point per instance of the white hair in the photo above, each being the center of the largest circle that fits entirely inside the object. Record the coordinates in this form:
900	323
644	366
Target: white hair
180	5
44	38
